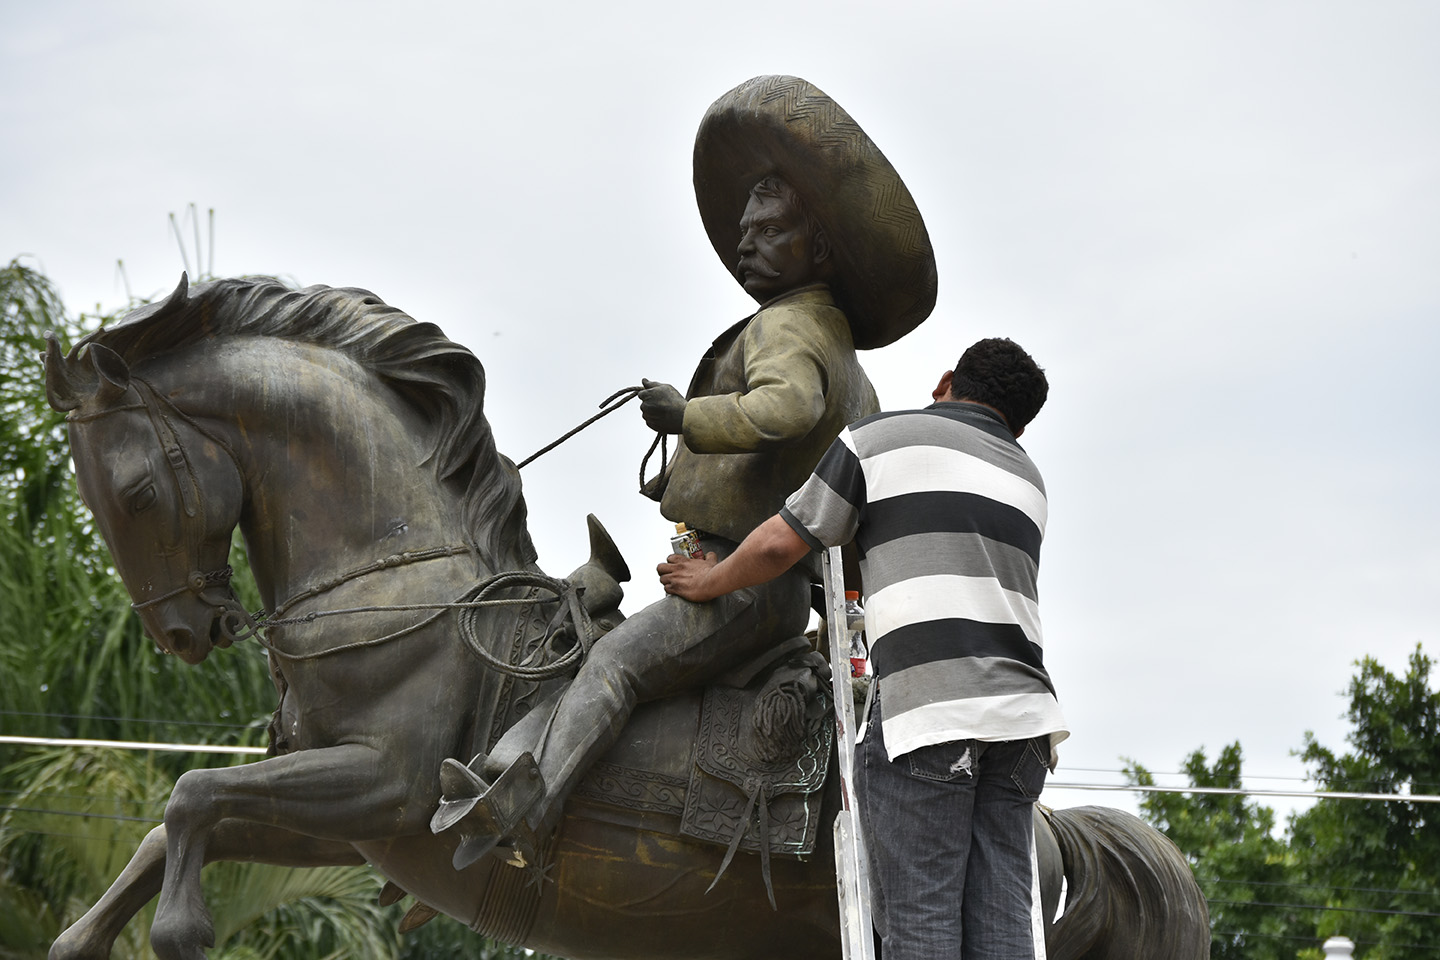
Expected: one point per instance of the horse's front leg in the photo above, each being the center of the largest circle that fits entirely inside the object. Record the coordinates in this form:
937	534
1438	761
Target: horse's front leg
342	793
93	935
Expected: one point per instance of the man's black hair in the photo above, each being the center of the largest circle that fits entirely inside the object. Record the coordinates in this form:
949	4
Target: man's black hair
998	372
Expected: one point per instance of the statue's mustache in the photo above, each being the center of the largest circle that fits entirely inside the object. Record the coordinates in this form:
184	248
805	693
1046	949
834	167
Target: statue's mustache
758	267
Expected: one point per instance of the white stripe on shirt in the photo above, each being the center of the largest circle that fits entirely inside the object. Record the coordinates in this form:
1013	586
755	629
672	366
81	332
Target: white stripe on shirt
923	469
947	597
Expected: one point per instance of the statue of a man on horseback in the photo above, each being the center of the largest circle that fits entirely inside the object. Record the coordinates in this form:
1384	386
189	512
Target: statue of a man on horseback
406	619
834	250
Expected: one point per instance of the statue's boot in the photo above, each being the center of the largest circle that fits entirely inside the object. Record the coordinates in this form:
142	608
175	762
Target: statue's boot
601	576
484	814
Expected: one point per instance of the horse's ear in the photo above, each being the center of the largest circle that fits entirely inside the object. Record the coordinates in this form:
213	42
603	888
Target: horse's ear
111	371
66	387
178	295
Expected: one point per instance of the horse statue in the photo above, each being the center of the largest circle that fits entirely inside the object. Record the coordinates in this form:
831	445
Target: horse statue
388	540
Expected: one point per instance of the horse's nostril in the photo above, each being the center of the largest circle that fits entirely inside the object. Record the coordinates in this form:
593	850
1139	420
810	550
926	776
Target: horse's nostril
181	641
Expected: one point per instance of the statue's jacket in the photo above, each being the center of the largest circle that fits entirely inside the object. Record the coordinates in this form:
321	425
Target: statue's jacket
767	400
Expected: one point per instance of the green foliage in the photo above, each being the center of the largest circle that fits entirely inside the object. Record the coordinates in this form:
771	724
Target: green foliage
268	910
32	457
1378	861
1237	859
1367	870
71	825
74	661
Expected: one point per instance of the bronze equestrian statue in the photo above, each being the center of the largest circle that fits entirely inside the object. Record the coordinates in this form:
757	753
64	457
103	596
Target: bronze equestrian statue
409	623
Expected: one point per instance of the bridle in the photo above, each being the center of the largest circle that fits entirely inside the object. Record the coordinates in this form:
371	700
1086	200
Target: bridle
235	622
238	624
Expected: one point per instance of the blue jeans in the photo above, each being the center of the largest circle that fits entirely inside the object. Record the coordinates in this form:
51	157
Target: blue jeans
949	833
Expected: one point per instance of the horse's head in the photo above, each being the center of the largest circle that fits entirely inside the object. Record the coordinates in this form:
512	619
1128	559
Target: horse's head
166	491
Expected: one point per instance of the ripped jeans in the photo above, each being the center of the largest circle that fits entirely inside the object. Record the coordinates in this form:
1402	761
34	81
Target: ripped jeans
949	832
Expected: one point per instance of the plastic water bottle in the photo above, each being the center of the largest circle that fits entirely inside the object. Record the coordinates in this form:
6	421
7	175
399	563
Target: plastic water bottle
855	628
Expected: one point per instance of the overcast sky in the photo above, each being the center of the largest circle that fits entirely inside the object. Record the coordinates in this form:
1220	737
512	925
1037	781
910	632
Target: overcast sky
1216	224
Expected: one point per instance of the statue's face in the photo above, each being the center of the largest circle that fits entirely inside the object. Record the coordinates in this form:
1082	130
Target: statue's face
776	250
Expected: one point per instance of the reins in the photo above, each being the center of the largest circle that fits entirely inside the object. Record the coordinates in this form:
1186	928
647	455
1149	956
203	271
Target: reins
237	624
609	405
474	599
470	604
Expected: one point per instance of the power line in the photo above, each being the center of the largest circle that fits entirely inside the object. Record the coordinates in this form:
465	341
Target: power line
1321	886
134	745
1237	791
1311	906
38	795
1244	792
1427	787
83	716
1127	788
81	813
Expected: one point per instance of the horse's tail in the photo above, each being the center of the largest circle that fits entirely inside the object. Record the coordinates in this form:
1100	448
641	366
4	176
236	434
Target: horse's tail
1130	892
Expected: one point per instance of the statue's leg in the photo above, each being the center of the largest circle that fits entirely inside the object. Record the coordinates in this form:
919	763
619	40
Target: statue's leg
668	647
346	793
93	935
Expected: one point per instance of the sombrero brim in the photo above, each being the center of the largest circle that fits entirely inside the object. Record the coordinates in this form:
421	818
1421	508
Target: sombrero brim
885	268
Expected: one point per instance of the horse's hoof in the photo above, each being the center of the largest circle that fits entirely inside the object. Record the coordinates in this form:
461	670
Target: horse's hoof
178	940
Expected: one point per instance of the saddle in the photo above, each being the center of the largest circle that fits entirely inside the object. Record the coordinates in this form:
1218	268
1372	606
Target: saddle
749	775
750	772
752	775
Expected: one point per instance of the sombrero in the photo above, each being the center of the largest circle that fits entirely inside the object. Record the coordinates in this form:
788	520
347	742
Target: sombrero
885	268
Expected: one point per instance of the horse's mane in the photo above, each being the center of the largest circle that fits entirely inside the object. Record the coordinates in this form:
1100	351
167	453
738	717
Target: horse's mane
442	378
1122	874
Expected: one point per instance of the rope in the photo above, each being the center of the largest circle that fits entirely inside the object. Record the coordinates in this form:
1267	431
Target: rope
609	405
629	393
384	563
534	667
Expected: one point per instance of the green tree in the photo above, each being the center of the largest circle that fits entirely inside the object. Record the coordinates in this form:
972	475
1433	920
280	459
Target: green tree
73	659
1365	869
1377	863
1240	864
79	816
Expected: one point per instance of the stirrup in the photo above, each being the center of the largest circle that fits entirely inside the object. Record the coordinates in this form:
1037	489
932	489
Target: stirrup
460	789
485	814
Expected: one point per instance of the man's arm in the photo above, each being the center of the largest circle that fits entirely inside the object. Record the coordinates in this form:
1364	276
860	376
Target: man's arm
769	550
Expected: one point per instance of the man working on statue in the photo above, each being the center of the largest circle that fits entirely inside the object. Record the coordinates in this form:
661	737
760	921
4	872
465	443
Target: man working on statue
948	513
764	404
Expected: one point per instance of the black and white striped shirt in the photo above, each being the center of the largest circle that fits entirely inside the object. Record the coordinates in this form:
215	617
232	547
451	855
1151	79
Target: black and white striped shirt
948	513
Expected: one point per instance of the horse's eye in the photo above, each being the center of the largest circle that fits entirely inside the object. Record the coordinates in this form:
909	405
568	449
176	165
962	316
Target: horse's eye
143	499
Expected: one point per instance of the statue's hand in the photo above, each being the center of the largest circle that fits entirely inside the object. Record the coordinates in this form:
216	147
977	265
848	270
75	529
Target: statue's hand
662	407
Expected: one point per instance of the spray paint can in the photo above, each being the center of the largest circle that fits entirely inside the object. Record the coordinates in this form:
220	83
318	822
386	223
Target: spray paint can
686	543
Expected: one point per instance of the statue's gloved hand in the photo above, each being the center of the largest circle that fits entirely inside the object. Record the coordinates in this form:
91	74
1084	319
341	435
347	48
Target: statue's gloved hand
662	407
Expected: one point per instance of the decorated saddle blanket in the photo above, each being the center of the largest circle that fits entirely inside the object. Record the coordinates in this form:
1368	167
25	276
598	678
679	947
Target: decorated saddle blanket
749	774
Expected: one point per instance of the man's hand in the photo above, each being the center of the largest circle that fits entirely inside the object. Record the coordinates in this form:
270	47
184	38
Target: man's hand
687	577
662	407
769	550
